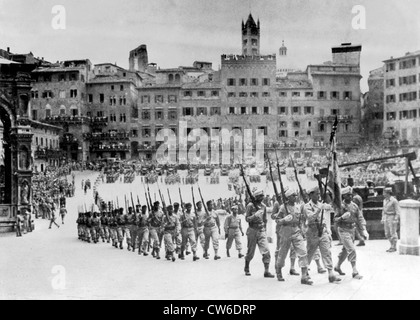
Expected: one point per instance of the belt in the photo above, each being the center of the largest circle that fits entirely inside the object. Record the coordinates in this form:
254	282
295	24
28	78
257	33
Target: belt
348	225
390	214
234	228
170	229
210	226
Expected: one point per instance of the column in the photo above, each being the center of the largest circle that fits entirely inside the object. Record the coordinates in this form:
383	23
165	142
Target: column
409	243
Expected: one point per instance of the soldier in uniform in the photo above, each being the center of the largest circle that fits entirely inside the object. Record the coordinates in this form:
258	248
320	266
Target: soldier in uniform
274	215
292	235
347	220
129	222
211	231
96	226
200	224
143	233
357	199
80	226
390	218
104	227
135	228
155	223
53	217
178	213
313	212
171	227
233	231
188	231
121	227
113	226
89	224
257	220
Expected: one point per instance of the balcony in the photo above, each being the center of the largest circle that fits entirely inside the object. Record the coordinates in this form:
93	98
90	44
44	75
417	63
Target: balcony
110	136
44	154
341	119
111	148
61	120
68	139
99	121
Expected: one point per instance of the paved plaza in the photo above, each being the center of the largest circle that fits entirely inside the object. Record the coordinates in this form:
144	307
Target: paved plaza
101	272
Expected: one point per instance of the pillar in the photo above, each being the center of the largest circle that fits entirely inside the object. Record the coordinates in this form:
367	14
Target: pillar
409	244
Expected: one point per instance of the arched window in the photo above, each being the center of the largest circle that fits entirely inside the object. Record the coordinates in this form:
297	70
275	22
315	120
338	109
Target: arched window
48	111
62	110
177	78
171	78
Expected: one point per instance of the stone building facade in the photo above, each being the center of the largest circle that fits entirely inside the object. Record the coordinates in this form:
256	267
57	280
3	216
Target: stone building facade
401	98
373	106
107	111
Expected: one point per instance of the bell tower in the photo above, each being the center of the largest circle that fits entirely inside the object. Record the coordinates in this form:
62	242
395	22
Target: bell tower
251	37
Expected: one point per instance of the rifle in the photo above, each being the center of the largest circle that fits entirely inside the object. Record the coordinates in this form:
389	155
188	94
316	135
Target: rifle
138	200
165	211
125	200
118	204
150	198
302	194
195	205
283	193
272	178
248	189
204	204
182	202
132	202
169	195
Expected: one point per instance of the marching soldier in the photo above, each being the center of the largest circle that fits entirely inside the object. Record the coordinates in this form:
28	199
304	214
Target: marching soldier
79	222
171	226
143	231
233	231
274	216
88	225
257	219
188	231
121	227
178	213
104	227
113	227
135	228
129	222
390	218
348	220
292	235
96	226
155	222
313	212
200	225
211	231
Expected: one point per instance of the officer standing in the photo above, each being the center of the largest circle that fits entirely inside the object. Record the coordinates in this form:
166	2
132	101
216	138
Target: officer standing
211	231
188	230
348	220
391	218
256	216
314	214
233	231
291	220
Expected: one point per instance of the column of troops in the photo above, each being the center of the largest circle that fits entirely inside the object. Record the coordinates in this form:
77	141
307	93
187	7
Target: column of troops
176	227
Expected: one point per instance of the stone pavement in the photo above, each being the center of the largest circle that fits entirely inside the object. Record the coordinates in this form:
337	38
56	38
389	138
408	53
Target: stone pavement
102	272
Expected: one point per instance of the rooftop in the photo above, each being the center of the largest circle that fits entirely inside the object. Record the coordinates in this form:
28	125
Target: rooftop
407	55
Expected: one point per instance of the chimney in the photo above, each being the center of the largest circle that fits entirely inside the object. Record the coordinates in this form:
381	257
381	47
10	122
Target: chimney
8	49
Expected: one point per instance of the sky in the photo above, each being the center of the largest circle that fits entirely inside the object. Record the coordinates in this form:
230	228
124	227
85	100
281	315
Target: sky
179	32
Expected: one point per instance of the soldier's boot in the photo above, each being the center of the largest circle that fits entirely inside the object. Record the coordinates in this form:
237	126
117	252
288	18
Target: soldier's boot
206	255
247	272
173	257
267	273
393	247
157	254
280	276
216	255
321	269
293	272
129	247
356	274
187	253
154	253
361	243
195	258
121	245
228	253
240	255
332	278
306	280
338	266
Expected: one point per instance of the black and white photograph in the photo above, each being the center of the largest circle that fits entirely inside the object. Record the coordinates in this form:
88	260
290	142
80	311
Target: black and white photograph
209	155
